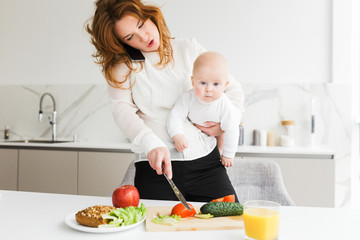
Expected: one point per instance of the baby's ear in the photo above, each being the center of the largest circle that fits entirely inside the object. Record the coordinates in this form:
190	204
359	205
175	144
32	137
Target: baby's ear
192	80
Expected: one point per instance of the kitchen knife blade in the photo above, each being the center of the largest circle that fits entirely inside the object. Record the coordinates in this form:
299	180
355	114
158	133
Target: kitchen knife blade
178	193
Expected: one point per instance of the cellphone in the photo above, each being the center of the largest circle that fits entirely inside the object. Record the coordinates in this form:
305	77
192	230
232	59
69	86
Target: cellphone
133	53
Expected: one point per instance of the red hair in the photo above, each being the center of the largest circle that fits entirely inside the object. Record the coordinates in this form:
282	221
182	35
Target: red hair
109	49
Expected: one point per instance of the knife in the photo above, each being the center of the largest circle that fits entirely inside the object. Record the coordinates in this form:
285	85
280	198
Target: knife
177	192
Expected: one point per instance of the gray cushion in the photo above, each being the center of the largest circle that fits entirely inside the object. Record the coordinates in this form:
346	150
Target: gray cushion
255	179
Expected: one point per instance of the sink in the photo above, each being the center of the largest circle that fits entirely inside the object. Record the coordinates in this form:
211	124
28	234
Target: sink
48	141
36	141
14	141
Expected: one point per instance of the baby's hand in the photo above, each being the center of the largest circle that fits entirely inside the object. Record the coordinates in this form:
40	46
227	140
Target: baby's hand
180	142
227	162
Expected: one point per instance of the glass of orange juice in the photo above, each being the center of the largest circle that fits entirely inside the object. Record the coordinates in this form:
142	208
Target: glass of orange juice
261	220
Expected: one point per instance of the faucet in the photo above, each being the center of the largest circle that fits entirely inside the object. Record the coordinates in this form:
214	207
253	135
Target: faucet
53	120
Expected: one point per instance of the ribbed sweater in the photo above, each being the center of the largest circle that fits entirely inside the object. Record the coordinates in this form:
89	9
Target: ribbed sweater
221	110
141	112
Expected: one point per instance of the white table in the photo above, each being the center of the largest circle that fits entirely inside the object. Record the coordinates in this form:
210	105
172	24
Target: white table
25	215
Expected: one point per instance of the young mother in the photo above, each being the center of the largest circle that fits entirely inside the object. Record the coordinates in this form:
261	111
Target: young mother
143	93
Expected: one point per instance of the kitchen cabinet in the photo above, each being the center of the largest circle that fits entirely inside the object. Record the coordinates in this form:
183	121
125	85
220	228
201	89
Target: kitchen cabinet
100	173
48	171
8	169
63	171
309	181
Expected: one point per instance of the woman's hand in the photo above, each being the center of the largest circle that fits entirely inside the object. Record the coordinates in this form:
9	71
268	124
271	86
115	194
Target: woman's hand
159	160
212	128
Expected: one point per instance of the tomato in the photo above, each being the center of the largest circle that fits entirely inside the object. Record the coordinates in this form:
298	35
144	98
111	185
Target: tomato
180	210
228	198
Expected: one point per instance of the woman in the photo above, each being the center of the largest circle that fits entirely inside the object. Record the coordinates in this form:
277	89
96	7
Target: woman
143	93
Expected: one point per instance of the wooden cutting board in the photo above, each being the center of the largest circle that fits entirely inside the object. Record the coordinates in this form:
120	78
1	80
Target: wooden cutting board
191	223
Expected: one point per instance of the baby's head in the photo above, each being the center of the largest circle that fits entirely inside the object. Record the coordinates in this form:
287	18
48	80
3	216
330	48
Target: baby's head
210	76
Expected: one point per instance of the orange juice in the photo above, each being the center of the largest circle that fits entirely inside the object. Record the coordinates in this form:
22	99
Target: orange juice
261	223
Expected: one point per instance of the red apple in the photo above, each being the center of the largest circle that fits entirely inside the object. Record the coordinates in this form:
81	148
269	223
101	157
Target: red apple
126	196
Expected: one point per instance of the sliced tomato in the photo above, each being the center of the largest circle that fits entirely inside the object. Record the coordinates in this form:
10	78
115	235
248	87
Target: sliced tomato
180	210
228	198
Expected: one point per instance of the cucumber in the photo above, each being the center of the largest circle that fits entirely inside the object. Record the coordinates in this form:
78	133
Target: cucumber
219	209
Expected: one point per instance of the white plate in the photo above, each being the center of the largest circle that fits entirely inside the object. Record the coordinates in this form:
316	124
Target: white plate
70	220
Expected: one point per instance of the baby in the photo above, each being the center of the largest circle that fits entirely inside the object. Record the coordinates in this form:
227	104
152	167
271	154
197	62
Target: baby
206	102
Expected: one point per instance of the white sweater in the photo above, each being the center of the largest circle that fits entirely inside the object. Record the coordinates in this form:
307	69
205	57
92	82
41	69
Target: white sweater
220	110
141	112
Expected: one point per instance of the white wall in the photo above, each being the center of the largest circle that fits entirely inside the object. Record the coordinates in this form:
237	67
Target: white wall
43	41
264	40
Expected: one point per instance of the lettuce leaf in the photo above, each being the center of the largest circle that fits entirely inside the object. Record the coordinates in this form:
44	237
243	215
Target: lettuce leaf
167	220
124	216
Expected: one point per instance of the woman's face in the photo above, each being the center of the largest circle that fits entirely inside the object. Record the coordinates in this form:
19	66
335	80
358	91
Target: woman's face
138	34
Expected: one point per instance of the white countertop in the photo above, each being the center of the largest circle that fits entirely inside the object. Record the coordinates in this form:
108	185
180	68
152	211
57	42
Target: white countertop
80	146
41	215
317	152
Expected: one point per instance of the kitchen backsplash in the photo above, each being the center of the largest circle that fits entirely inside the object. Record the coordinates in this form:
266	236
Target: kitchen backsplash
84	111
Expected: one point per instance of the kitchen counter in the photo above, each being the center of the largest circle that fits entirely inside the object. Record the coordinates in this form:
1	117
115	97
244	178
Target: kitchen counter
291	152
124	147
42	216
71	146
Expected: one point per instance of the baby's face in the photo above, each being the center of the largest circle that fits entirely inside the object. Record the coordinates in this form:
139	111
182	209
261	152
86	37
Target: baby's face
209	82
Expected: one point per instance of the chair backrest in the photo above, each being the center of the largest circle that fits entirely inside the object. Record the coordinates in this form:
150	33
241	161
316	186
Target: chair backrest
258	179
253	179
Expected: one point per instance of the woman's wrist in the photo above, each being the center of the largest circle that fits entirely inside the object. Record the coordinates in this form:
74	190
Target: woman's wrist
150	142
